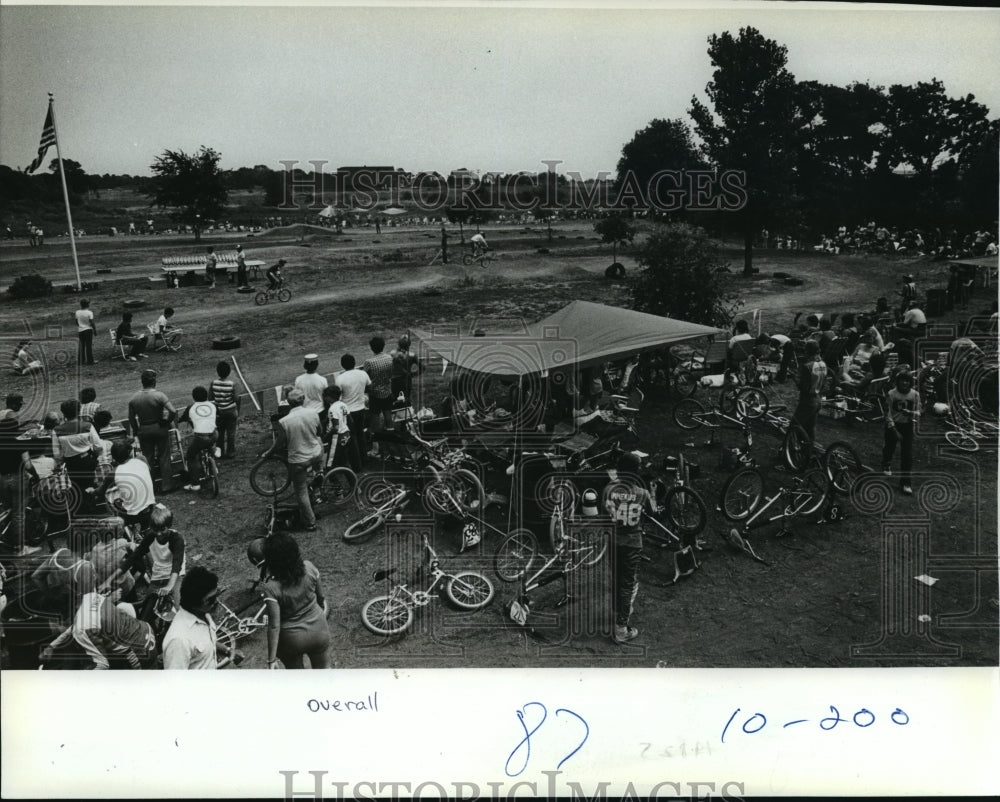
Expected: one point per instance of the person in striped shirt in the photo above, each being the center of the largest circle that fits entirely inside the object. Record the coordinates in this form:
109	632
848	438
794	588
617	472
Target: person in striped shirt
222	393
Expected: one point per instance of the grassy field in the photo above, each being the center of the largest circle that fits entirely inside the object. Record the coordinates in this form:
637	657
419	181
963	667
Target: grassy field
820	602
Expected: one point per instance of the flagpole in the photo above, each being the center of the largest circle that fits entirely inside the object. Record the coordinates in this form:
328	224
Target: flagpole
62	175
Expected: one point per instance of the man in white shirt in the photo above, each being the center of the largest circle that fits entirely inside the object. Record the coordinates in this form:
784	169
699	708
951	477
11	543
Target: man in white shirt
130	487
85	331
479	244
311	383
300	435
353	383
191	643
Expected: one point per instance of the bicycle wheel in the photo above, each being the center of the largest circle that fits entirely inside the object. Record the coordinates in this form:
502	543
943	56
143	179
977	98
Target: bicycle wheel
467	259
809	494
469	590
284	295
515	554
752	402
797	448
742	493
366	527
685	383
727	400
270	477
210	477
457	492
961	440
386	615
689	414
485	261
335	489
686	509
842	465
260	298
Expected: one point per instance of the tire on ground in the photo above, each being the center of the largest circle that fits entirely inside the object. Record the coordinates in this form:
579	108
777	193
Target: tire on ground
225	343
615	271
133	303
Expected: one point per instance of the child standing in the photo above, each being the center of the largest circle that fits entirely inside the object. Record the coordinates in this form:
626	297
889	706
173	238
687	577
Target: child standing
904	409
201	415
339	436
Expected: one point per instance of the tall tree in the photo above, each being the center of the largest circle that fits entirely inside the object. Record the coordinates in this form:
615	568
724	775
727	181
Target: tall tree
751	125
192	186
615	230
923	127
77	181
661	145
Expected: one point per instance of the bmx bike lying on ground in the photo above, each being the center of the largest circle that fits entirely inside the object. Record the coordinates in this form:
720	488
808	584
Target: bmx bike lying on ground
392	614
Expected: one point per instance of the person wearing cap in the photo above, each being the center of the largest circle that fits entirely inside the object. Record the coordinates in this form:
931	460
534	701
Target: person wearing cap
812	377
311	383
150	416
273	275
626	499
300	435
241	268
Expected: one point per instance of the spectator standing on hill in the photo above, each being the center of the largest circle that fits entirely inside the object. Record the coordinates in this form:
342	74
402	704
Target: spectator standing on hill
907	294
85	331
89	405
211	261
222	392
76	445
380	397
300	435
353	383
150	415
311	383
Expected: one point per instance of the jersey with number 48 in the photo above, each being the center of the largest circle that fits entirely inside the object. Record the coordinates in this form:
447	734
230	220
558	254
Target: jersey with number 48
626	504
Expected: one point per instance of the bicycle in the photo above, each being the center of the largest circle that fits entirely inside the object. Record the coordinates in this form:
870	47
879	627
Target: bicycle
516	554
392	614
966	431
208	468
868	406
271	477
741	408
280	293
485	258
169	340
456	492
802	495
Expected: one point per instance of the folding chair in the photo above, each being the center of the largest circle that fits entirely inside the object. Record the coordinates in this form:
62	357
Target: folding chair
117	347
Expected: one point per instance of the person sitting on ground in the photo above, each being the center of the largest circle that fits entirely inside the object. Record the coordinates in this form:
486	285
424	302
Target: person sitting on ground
201	415
858	369
160	553
808	326
867	326
914	318
741	332
22	361
274	278
128	338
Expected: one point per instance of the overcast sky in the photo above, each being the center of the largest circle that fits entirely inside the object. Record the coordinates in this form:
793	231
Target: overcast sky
435	88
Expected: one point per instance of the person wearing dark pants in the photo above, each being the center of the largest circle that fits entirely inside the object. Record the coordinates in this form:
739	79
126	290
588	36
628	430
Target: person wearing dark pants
812	376
222	392
85	331
904	409
150	416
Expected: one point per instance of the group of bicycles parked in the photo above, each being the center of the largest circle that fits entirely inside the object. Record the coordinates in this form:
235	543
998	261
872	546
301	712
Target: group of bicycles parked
516	500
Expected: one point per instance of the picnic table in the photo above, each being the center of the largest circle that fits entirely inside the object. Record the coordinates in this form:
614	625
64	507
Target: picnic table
176	265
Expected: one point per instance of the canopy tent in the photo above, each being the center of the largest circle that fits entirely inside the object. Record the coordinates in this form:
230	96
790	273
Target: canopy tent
581	333
394	211
329	211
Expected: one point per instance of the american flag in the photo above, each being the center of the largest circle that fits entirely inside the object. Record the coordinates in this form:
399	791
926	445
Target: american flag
48	140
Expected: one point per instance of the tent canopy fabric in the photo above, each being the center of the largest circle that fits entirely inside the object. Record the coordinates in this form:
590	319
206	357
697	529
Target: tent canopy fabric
329	211
581	334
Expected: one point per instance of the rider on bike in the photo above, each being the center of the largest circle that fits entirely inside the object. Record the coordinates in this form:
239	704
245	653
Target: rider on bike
274	277
479	245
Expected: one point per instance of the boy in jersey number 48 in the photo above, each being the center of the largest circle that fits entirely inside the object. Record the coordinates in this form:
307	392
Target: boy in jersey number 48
625	500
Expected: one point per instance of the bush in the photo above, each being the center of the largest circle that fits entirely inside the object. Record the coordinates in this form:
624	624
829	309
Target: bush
33	286
680	278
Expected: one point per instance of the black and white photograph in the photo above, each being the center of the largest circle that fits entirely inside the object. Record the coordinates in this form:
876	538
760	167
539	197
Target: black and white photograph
469	351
